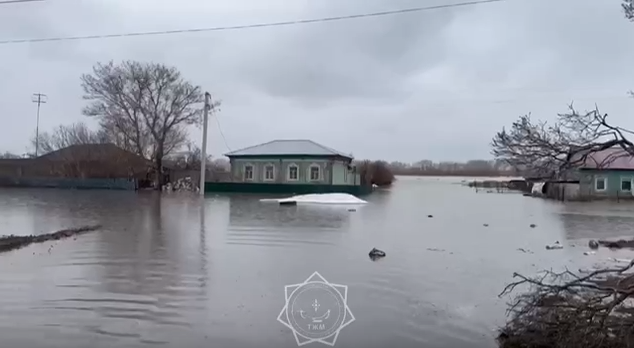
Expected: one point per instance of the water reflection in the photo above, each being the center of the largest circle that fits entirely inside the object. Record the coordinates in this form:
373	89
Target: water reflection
141	273
597	220
176	269
268	224
250	212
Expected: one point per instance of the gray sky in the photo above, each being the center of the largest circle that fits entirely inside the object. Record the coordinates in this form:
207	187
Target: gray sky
429	85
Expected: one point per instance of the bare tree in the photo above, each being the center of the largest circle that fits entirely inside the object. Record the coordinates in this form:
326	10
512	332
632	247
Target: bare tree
144	106
570	309
552	149
628	8
194	155
190	158
66	135
9	155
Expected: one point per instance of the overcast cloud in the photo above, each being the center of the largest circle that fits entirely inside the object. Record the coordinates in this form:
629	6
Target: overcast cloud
429	85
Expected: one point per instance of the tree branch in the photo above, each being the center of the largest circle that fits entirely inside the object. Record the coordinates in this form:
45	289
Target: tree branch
552	149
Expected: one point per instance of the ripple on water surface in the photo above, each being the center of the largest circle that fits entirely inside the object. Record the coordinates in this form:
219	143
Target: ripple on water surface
170	270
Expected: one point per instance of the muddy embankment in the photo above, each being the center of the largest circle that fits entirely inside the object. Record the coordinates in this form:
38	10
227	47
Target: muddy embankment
8	243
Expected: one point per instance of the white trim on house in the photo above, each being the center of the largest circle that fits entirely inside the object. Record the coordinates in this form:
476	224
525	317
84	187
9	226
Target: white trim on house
596	183
265	172
310	172
288	172
244	172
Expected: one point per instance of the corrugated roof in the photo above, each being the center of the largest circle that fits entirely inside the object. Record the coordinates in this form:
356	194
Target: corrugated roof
91	152
614	158
288	147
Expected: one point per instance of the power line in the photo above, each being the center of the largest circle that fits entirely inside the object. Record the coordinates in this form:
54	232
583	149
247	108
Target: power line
222	134
18	1
250	26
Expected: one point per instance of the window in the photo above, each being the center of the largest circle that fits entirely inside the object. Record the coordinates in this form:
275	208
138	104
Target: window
314	172
600	184
269	172
626	184
293	172
248	172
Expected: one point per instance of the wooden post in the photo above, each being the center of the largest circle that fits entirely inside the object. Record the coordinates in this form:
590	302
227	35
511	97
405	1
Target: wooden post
203	149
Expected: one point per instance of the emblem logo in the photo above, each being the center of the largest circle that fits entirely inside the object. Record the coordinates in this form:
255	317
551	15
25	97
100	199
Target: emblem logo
316	310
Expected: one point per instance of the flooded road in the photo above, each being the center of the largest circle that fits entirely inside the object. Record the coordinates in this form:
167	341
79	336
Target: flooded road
174	271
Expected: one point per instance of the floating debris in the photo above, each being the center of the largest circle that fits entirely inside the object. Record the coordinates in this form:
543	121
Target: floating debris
181	185
430	216
376	254
619	244
613	259
555	246
485	225
12	242
435	249
533	225
320	198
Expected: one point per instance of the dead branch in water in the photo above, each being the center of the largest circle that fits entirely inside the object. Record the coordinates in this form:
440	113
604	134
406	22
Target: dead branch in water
567	310
12	242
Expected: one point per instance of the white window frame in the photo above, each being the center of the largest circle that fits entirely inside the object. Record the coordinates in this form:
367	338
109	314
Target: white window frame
266	166
244	172
626	179
605	183
310	170
288	172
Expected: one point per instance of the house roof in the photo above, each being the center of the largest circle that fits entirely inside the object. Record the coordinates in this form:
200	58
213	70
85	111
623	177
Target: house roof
88	152
297	147
614	158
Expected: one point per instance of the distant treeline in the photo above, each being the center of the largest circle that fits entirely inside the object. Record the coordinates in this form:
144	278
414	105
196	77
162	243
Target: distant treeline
381	173
455	172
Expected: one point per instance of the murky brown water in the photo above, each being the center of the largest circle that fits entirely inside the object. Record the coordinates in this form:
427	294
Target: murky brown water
174	271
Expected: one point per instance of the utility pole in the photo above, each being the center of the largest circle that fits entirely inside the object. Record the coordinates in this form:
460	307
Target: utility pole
38	98
203	150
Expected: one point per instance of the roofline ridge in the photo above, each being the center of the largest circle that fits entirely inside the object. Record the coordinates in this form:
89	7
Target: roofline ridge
330	149
248	147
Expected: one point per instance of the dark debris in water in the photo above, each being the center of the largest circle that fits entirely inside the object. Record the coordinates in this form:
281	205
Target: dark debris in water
618	244
376	254
12	242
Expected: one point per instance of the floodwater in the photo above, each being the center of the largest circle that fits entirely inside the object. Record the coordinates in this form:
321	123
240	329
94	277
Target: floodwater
176	270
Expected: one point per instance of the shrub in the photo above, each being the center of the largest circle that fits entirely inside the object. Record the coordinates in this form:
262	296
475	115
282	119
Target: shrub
375	172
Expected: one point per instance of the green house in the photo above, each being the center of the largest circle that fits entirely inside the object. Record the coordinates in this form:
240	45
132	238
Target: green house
607	174
291	166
